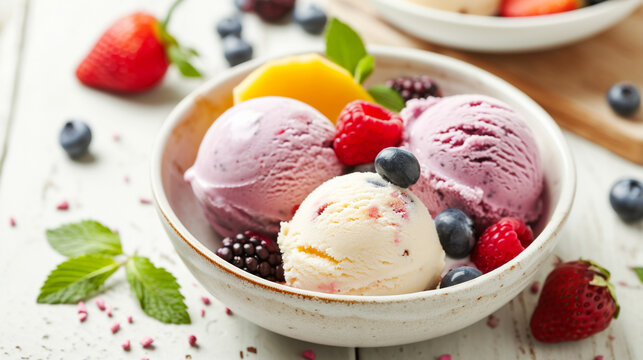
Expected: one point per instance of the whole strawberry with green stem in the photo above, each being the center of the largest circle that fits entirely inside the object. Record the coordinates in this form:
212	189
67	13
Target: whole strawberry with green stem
134	54
577	301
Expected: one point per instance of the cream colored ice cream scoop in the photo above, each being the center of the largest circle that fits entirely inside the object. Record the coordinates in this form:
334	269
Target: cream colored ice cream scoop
358	234
477	7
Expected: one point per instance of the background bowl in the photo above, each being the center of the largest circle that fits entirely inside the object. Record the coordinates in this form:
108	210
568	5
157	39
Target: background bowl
345	320
497	34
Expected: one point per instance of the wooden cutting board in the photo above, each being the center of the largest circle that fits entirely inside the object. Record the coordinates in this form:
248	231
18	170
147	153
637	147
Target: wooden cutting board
570	82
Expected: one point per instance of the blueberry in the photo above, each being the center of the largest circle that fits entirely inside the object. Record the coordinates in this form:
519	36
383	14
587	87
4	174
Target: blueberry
459	275
75	138
311	18
236	50
456	233
626	198
624	99
229	26
398	166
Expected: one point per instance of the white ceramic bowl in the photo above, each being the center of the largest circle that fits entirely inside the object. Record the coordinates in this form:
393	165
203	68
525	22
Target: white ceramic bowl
345	320
497	34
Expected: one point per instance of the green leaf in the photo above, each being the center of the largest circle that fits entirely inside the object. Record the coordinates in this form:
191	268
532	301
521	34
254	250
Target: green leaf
75	279
157	291
85	237
364	68
180	58
639	272
344	46
387	97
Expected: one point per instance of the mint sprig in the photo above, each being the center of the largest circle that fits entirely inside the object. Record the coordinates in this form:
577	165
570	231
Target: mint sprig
85	237
345	47
95	254
157	291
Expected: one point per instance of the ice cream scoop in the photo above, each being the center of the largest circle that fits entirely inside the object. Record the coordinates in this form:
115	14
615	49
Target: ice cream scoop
358	234
476	7
477	155
258	162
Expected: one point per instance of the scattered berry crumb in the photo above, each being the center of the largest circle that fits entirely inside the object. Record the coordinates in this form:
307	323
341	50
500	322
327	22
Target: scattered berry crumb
126	179
12	222
129	319
493	321
192	340
610	337
109	310
598	357
82	308
145	359
205	300
63	206
622	283
100	303
202	312
228	311
145	201
82	317
252	349
535	287
308	354
115	327
556	260
116	137
125	345
146	341
445	357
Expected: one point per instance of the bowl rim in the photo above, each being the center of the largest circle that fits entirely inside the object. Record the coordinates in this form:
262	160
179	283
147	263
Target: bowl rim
450	65
507	22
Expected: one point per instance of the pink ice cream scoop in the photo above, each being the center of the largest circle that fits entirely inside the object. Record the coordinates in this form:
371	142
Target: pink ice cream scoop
477	155
259	160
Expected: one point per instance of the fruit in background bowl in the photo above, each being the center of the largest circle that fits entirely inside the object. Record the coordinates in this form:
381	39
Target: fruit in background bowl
310	78
476	7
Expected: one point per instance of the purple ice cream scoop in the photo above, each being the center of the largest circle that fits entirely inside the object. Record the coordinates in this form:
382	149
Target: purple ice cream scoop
476	154
259	160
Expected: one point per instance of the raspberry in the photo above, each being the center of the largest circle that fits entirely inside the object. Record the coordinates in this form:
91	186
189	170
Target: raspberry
273	10
363	130
418	87
255	254
500	243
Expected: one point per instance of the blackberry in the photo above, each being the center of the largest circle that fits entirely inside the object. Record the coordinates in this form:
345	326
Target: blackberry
417	87
273	10
255	254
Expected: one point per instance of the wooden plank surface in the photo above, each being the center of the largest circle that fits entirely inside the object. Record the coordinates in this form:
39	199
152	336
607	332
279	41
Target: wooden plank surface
570	82
37	175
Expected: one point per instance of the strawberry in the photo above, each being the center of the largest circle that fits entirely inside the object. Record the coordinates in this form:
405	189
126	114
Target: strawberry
500	243
577	301
513	8
134	54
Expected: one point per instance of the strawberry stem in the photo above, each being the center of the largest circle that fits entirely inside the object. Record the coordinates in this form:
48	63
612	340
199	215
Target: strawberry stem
601	278
169	13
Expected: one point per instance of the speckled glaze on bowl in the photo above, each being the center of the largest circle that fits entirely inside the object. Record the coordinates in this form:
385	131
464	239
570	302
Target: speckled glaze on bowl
345	320
498	34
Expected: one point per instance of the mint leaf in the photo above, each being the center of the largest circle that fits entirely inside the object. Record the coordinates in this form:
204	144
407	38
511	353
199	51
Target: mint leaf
157	291
364	68
344	46
85	237
387	97
181	58
76	278
639	272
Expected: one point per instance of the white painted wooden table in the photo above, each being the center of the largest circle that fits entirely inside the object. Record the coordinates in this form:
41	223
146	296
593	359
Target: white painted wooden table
41	41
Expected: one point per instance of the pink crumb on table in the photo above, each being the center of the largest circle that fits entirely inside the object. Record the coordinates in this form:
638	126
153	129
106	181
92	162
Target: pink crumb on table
129	319
622	283
12	222
556	260
146	341
100	303
228	311
115	327
535	287
493	322
145	201
192	340
205	300
145	359
64	205
445	357
82	316
126	345
202	312
126	179
610	337
308	354
109	310
82	308
598	357
116	137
